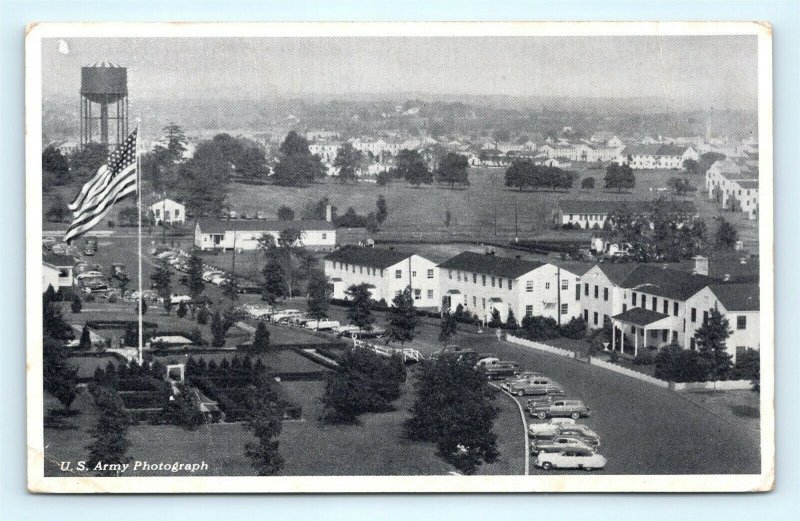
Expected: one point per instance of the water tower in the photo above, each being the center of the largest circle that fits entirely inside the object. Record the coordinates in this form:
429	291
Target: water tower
104	86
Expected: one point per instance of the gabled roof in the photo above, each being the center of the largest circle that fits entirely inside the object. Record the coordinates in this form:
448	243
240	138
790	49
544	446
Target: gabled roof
655	149
617	273
640	316
57	260
371	257
738	297
490	265
573	206
665	282
255	225
748	184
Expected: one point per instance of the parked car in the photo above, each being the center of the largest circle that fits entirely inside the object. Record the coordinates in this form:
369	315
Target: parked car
486	359
551	428
570	459
558	444
518	378
537	385
498	370
582	432
91	247
177	299
572	408
285	314
119	272
324	324
248	287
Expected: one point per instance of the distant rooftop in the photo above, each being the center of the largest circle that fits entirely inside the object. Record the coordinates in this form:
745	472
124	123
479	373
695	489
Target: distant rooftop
490	264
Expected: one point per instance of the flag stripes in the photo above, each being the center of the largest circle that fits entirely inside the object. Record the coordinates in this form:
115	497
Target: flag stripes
113	182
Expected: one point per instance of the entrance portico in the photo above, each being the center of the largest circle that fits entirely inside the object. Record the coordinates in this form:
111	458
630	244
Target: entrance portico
640	323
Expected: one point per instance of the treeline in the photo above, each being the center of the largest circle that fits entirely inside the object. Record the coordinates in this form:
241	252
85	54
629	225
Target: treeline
524	174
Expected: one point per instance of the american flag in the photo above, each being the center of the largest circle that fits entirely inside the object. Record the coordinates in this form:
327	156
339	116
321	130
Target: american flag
113	181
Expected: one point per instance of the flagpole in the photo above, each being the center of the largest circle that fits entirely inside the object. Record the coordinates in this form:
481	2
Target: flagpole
139	236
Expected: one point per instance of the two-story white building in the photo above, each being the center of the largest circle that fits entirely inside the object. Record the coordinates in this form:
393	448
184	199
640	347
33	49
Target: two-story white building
734	183
481	283
57	271
388	272
657	156
593	214
168	211
216	234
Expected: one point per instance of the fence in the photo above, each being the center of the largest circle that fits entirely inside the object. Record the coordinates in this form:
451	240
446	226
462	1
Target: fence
407	353
540	347
723	385
630	372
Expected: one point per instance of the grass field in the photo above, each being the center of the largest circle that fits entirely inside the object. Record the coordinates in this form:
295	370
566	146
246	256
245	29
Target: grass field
375	447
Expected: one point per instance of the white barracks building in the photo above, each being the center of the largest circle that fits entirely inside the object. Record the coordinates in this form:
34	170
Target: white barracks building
484	282
388	272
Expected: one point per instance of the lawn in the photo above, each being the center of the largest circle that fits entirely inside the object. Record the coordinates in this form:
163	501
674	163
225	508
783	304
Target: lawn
375	447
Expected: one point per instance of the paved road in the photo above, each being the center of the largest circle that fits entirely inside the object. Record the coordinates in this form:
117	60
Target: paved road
643	429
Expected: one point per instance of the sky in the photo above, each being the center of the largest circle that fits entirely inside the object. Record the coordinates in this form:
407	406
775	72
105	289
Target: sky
719	71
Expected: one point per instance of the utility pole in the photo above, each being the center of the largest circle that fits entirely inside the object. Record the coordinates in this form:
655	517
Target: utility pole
164	219
233	271
516	227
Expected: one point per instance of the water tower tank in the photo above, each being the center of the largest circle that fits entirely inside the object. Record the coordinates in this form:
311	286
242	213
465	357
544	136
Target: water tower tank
104	84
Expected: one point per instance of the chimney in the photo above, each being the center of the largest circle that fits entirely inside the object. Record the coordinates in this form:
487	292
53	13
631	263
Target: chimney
700	265
328	213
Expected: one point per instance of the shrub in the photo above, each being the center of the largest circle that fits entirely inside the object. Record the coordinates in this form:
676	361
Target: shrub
76	305
645	357
681	365
575	328
539	328
587	183
203	316
112	299
748	365
182	310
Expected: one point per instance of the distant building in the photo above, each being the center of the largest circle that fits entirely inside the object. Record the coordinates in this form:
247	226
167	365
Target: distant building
657	156
57	271
580	152
481	283
168	211
325	150
592	214
734	182
212	234
388	272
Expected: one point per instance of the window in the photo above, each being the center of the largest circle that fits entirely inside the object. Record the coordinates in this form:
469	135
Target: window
691	344
694	315
655	303
381	273
492	281
528	311
458	276
449	274
510	284
596	291
361	270
529	286
177	213
158	213
741	322
666	307
500	282
577	291
398	274
564	309
633	299
624	308
430	274
546	285
413	273
324	235
705	317
465	298
565	284
474	301
595	318
483	303
605	294
664	334
483	279
417	294
430	294
586	315
474	278
675	309
586	289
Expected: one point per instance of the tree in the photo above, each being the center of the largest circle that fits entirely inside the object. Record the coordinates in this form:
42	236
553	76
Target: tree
59	378
453	169
217	331
261	338
265	423
88	159
676	364
182	310
402	319
726	235
364	382
317	302
381	212
348	161
274	282
162	282
109	442
453	408
297	166
58	210
690	166
448	327
203	315
77	304
495	320
251	162
710	339
359	311
511	320
679	186
195	275
285	213
53	323
410	166
54	166
85	343
575	328
539	328
205	179
587	183
620	177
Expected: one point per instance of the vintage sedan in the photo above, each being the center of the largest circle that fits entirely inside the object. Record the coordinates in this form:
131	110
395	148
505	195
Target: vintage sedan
570	459
537	385
549	429
559	444
582	432
572	408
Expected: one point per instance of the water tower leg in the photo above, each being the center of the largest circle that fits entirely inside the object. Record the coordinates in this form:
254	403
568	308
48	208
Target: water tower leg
104	123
